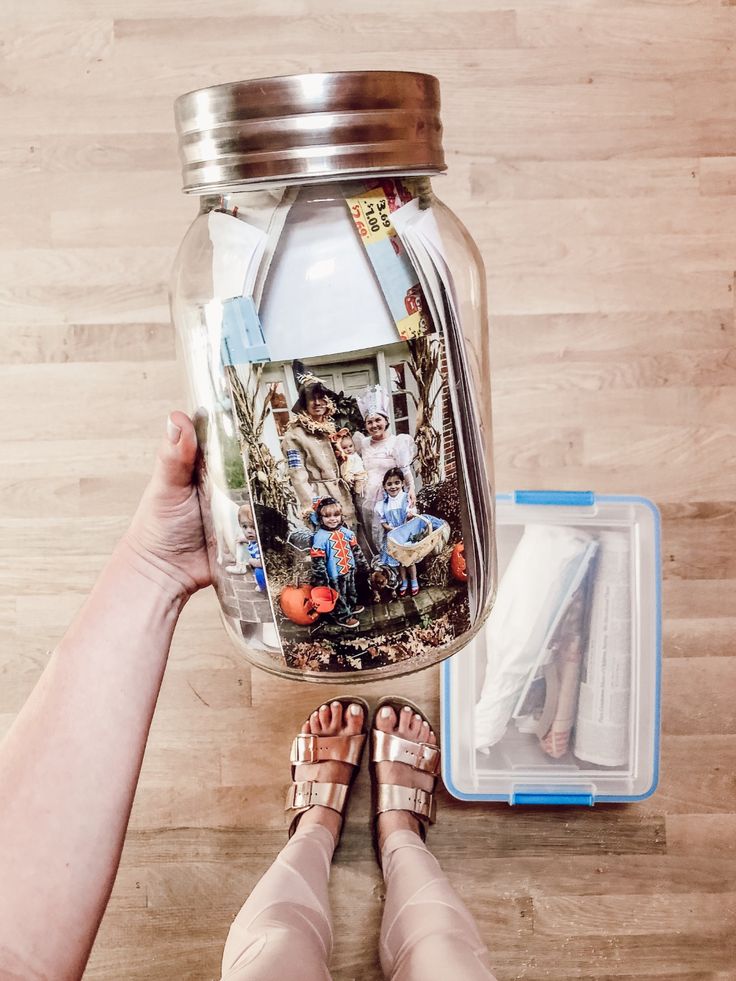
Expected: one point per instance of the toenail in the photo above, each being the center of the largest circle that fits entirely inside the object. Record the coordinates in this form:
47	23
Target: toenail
418	717
336	705
385	712
407	708
323	708
355	709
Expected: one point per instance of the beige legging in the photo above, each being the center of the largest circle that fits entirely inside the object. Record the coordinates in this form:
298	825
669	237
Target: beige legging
427	934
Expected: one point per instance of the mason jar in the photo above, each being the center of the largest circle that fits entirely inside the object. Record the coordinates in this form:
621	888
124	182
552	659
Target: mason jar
331	317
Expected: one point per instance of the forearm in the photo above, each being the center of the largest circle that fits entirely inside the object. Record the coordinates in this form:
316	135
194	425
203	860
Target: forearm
302	488
319	572
69	768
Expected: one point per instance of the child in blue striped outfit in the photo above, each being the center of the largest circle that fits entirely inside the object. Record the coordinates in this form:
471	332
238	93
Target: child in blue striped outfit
248	556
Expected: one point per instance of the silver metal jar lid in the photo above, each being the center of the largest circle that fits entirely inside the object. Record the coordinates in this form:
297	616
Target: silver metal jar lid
309	127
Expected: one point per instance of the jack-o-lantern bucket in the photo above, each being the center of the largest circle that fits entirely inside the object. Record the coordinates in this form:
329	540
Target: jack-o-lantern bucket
296	603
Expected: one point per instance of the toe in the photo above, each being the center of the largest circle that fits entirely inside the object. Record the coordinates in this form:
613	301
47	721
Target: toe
424	732
416	726
354	718
405	722
386	719
325	718
336	724
432	739
315	724
306	727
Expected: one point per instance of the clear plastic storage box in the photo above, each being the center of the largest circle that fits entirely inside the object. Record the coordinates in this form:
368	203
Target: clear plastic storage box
556	700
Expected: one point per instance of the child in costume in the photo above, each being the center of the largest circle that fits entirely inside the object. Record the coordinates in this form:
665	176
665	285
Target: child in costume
352	469
393	510
335	556
380	449
248	553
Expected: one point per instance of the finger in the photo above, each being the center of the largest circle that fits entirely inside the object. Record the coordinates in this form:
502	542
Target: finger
176	454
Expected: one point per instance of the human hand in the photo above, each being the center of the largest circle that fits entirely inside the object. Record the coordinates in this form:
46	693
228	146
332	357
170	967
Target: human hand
166	531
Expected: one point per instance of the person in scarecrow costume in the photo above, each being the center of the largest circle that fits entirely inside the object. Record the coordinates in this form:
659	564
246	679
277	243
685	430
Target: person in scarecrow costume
312	449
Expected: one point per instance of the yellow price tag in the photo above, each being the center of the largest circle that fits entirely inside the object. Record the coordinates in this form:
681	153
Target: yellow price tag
372	215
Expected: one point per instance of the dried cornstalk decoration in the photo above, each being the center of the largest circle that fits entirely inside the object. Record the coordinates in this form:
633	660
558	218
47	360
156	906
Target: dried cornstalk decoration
425	370
436	568
289	565
280	570
268	484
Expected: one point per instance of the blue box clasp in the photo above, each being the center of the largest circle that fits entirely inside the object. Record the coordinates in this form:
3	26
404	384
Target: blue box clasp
586	800
559	498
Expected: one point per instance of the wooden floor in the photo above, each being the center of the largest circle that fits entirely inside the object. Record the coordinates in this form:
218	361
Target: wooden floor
592	152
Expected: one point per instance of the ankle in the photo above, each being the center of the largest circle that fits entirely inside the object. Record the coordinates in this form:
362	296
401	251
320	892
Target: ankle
391	821
324	817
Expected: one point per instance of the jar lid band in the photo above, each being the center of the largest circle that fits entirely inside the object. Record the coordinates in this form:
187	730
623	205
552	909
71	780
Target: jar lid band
309	127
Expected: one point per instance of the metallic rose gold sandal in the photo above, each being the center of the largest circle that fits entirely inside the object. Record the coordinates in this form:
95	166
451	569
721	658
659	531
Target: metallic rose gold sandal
390	747
310	748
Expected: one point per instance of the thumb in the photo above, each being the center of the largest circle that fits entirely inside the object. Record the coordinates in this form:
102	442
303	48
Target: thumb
176	454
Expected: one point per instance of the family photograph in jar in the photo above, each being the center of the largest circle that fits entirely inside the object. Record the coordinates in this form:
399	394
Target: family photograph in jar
357	506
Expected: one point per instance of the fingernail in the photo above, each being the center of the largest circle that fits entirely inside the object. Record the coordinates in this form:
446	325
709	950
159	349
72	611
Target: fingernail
172	431
385	712
355	709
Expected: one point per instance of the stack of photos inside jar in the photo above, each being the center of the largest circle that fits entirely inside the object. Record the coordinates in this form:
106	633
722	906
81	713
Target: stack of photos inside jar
340	516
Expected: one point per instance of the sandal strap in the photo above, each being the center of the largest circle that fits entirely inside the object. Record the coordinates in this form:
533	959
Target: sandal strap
388	747
306	793
392	797
308	748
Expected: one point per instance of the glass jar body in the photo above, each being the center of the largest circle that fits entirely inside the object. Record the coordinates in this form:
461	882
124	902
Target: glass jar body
335	343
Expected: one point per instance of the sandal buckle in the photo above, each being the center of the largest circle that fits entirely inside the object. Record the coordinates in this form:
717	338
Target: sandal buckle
427	758
300	795
425	804
421	798
305	748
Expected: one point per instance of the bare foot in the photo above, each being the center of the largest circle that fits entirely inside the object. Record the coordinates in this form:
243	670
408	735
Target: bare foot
329	720
409	725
